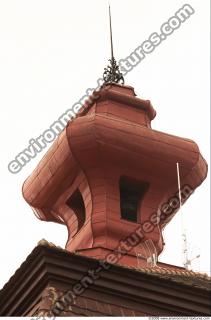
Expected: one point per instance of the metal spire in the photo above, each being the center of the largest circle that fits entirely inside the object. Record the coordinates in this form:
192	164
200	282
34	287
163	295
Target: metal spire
112	73
111	37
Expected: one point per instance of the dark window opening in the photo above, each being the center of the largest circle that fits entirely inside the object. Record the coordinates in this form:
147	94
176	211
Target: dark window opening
76	203
131	195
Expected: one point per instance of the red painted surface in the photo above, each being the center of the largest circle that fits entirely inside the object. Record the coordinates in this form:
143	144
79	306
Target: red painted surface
111	138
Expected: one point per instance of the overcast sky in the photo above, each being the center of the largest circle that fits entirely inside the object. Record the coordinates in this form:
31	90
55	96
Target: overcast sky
51	51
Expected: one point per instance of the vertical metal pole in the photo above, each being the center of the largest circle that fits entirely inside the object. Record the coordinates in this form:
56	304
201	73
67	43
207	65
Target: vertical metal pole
179	187
184	257
111	37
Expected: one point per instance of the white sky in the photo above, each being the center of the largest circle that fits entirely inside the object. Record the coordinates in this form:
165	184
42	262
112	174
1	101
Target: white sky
51	51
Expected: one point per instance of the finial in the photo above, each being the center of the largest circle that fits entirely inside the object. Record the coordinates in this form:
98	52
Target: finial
112	73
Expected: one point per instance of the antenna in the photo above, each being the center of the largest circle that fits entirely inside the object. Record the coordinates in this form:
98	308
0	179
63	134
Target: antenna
159	230
150	253
112	73
150	257
193	258
184	257
153	252
179	187
140	255
186	261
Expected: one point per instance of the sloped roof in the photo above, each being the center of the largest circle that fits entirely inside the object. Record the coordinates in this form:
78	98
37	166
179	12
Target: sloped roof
170	272
48	262
174	273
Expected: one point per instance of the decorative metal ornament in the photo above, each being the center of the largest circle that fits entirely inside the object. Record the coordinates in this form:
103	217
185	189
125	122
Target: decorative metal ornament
112	73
